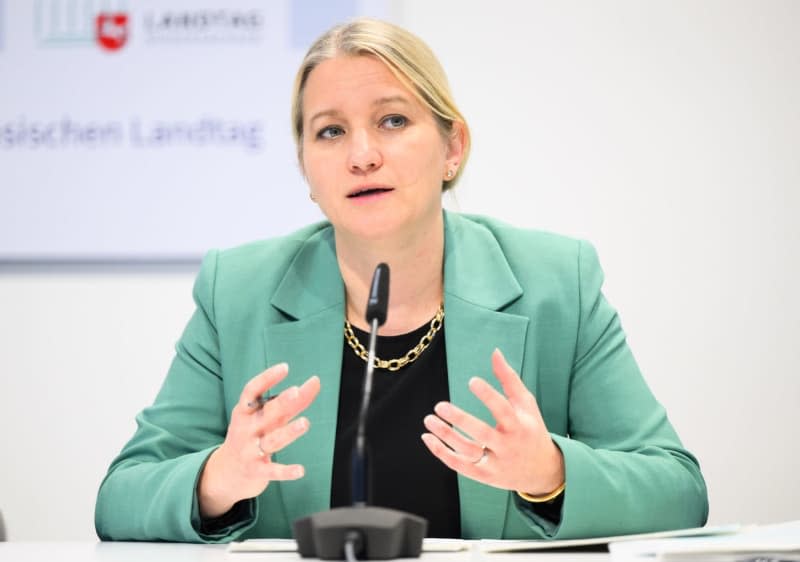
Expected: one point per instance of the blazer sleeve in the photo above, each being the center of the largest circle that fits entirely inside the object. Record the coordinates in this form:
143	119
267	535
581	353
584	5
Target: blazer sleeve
626	469
149	491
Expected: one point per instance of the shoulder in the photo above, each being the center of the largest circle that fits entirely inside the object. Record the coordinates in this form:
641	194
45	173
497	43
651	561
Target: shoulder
256	267
493	263
523	248
274	251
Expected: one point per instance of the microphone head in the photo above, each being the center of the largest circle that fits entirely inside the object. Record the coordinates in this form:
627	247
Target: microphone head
378	302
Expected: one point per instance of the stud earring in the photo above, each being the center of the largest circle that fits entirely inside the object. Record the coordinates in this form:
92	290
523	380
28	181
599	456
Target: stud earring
311	196
450	174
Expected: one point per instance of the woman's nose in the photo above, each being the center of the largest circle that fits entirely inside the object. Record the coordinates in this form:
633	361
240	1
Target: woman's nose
365	155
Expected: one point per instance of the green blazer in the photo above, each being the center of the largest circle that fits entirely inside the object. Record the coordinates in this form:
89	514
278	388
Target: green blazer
536	296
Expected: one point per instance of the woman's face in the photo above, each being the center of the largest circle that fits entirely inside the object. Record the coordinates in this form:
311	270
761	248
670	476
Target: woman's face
372	153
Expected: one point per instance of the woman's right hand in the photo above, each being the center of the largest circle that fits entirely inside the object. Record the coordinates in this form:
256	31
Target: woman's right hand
242	466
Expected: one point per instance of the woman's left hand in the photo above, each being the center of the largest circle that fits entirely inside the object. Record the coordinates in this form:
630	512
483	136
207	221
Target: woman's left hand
516	454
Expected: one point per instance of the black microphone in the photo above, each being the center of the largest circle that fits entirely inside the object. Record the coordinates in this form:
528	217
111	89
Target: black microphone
378	302
371	533
377	305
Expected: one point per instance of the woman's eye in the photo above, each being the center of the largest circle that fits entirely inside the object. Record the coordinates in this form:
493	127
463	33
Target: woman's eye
330	132
394	122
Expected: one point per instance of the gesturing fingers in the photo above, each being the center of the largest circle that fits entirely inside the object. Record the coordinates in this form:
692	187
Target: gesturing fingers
259	384
472	467
468	449
289	403
276	431
276	440
513	387
516	452
242	466
478	430
501	409
258	430
275	471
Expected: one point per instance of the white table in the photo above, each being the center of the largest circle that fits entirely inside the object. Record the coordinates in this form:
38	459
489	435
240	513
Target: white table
177	552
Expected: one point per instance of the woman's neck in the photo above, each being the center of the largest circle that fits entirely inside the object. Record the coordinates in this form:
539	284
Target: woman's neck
416	276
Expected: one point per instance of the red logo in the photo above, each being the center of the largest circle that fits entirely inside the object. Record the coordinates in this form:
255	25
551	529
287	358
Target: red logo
112	30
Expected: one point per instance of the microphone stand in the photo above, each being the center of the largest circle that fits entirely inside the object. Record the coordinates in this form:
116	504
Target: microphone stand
359	467
372	533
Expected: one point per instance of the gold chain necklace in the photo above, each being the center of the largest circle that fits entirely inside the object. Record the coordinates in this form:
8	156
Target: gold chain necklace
409	357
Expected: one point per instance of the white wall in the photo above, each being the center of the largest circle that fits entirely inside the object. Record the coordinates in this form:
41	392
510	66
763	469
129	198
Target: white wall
668	134
80	354
664	132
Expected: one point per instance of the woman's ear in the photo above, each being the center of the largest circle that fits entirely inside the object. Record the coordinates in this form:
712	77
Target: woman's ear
456	144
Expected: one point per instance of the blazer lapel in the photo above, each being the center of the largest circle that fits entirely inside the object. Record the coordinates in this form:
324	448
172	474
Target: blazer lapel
478	285
310	340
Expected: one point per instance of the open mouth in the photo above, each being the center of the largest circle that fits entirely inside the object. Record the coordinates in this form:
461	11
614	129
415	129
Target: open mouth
368	191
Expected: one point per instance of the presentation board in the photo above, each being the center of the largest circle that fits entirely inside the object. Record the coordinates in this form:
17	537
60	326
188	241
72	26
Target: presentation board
151	130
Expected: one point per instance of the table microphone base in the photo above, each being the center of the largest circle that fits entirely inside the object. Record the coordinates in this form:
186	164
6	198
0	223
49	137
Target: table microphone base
384	533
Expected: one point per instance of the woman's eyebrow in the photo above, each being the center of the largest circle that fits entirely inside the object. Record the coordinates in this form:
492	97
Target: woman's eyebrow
323	113
391	99
376	103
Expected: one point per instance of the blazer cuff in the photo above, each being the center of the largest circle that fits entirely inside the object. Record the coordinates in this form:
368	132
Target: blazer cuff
228	526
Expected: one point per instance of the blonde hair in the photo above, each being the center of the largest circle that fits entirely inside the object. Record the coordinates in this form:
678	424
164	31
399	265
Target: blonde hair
405	54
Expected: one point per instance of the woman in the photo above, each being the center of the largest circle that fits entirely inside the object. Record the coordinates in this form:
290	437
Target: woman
563	439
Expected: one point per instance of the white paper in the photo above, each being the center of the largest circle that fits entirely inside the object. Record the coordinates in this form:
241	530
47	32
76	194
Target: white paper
763	540
491	545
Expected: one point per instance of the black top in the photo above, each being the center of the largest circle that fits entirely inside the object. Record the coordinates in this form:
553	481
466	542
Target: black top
403	474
